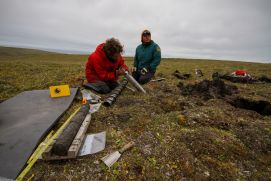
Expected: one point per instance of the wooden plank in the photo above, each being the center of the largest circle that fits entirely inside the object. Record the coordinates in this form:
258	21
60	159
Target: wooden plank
75	146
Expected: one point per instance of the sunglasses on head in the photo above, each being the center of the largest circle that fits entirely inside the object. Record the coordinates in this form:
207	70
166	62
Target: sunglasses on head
146	33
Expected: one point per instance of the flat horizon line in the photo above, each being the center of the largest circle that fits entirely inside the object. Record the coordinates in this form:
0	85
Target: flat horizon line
79	52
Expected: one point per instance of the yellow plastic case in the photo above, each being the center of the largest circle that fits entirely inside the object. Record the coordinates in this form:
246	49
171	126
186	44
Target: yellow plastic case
59	91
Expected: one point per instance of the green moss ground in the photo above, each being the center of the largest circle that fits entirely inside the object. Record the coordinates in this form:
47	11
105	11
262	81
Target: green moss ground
177	138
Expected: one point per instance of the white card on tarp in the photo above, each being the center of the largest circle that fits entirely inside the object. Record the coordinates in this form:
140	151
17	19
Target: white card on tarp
87	94
94	107
93	143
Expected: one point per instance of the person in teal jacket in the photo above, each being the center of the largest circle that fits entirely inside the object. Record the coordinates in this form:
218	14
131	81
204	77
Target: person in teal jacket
147	58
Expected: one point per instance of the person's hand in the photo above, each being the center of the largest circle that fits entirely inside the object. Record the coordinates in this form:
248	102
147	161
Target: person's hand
120	71
144	70
133	69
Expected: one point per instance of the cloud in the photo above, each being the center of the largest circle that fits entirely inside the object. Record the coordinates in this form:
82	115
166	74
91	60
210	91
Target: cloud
226	29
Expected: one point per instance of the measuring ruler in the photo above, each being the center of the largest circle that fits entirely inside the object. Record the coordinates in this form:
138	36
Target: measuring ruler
42	147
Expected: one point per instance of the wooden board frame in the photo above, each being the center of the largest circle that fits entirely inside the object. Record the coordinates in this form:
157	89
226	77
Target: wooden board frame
75	146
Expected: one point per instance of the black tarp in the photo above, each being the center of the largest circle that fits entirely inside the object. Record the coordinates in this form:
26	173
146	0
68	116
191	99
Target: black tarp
24	120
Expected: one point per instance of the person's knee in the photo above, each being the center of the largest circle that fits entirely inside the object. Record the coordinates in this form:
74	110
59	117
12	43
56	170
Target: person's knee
100	87
104	90
135	74
142	81
145	78
112	84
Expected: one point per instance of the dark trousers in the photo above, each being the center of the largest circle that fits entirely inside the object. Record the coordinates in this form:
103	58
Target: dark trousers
101	86
143	79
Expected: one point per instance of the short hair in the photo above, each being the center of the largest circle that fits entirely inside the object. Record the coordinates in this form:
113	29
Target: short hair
112	46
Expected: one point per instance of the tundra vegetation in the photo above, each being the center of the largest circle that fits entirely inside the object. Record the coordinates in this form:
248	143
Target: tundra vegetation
178	136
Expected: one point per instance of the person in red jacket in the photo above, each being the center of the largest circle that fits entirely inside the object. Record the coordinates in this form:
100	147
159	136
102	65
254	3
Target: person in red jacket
104	66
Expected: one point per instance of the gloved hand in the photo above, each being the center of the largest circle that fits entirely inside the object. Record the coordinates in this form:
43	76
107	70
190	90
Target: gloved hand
144	70
133	69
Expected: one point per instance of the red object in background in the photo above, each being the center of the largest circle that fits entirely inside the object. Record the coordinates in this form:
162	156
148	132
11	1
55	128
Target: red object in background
99	67
240	73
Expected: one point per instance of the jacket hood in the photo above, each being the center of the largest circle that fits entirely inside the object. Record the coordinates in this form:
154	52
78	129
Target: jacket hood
99	49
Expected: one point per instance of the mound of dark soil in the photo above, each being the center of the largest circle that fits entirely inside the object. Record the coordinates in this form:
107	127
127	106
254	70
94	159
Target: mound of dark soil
238	79
208	89
262	107
264	79
180	75
244	79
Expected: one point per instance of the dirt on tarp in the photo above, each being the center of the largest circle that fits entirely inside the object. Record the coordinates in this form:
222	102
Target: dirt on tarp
208	89
261	107
180	75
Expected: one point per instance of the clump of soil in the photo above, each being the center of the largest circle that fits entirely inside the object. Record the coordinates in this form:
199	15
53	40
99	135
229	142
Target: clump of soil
264	79
208	89
237	79
262	107
165	88
242	79
183	76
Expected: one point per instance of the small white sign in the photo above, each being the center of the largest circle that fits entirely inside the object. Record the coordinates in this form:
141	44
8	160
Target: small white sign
94	107
93	144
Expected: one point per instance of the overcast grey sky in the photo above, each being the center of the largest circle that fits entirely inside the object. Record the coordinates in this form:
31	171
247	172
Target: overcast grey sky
217	29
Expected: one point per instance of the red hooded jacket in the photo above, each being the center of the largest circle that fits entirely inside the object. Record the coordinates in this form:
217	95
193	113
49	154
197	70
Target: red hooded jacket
99	67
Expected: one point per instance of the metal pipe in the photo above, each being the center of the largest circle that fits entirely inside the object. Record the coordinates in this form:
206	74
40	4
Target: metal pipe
133	81
115	93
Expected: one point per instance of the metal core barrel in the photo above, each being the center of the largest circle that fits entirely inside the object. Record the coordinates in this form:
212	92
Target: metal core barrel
115	93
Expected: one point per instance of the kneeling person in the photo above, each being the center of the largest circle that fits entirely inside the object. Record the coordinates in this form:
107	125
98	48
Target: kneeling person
147	58
104	66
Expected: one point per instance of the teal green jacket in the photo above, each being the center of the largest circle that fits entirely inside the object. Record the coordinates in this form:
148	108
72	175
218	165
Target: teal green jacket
148	56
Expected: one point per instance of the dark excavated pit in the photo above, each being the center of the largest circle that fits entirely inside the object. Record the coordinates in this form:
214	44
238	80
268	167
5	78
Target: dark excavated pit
208	89
261	107
218	89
